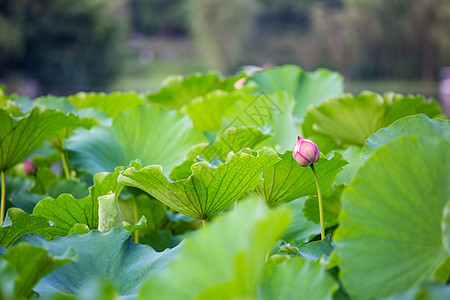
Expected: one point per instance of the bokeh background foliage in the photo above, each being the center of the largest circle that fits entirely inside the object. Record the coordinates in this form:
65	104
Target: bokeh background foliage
66	46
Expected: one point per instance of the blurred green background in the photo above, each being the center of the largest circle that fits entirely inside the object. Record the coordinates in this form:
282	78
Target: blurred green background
65	46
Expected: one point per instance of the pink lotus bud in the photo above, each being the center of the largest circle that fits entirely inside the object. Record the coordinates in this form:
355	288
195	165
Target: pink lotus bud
240	83
29	167
305	152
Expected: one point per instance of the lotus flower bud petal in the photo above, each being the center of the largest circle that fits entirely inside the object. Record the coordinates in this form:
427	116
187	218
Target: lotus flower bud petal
240	83
305	152
29	167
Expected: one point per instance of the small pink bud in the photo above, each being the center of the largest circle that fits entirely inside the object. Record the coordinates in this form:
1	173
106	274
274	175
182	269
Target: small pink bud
305	152
29	167
240	83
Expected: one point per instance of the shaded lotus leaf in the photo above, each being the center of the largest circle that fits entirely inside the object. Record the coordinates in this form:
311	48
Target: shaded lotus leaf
350	120
177	91
353	155
428	290
33	263
210	189
60	103
287	180
390	236
317	250
7	279
77	189
149	133
112	104
297	278
239	241
111	256
301	229
307	88
57	217
18	138
419	125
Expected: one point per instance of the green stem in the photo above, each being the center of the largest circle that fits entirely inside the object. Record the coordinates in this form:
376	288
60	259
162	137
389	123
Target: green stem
136	233
235	206
319	196
40	183
204	223
65	165
2	209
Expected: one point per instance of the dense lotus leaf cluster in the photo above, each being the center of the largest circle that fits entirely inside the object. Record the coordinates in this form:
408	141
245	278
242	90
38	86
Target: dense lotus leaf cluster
193	192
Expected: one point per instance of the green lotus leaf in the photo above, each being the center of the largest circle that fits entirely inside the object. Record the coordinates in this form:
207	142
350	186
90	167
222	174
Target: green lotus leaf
317	250
57	217
77	189
111	256
21	224
297	278
307	88
15	105
66	211
79	229
33	263
428	290
177	91
390	236
60	103
353	155
301	229
209	189
446	227
232	139
419	125
263	109
148	133
350	120
141	224
230	252
331	207
207	111
7	279
18	138
287	180
112	104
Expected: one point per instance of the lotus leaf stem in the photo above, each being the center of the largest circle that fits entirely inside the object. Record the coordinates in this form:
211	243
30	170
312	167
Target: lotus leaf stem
136	233
65	165
2	209
319	197
204	223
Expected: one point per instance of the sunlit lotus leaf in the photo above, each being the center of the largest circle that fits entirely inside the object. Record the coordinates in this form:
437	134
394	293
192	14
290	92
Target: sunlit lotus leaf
210	189
350	120
307	88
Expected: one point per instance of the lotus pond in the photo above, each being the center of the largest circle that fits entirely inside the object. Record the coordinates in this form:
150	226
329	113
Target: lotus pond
193	192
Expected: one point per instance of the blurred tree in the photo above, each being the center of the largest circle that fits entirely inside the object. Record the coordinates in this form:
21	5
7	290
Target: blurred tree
222	30
67	45
385	38
159	17
286	15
